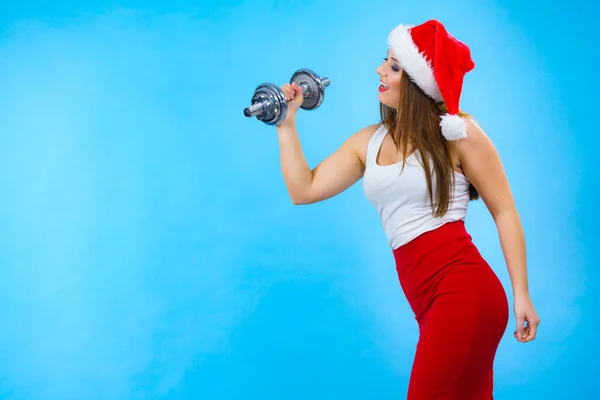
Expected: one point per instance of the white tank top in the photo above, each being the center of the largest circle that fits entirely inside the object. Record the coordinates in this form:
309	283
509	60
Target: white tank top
401	197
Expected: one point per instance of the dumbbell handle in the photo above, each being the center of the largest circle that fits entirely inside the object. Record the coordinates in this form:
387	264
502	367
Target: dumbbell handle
254	109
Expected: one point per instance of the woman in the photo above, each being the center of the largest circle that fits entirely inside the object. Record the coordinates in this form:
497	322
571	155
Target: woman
421	166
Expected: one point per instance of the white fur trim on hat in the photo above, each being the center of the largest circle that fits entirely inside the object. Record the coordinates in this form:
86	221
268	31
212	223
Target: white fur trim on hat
453	127
413	62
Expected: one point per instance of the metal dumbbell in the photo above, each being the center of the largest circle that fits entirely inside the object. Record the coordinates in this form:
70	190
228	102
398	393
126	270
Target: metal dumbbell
270	106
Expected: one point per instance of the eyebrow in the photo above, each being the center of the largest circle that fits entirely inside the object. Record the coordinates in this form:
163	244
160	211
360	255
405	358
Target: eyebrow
393	58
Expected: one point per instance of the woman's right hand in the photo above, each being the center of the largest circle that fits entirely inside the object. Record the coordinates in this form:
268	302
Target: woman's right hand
295	97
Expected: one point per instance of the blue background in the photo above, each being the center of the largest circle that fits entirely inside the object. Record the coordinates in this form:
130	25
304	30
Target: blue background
148	247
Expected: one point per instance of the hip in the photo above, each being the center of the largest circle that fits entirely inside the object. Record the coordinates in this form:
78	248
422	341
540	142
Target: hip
445	263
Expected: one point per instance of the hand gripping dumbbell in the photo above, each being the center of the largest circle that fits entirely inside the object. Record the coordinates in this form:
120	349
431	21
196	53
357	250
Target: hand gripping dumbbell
270	106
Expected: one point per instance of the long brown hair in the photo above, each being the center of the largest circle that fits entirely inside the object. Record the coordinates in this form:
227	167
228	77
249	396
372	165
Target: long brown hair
417	123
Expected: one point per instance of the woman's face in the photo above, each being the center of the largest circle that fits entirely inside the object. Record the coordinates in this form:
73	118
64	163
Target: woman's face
390	74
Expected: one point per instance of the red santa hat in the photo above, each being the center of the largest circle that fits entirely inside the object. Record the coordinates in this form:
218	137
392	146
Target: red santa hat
437	63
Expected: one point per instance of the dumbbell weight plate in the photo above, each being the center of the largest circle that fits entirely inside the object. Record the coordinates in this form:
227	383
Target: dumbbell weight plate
313	86
273	103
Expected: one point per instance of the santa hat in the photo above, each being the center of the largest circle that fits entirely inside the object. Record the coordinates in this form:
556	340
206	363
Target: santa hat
437	63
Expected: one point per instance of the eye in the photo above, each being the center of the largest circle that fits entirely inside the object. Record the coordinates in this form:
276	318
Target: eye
394	67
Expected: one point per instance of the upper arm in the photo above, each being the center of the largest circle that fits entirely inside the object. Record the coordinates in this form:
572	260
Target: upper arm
482	166
342	169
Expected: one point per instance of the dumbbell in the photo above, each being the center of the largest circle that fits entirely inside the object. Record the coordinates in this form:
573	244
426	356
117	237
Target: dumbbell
270	106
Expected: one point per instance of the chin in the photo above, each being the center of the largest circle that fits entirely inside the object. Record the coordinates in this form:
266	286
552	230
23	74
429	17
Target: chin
386	103
385	100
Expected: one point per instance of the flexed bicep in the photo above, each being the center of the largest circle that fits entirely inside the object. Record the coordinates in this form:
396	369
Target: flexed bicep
339	171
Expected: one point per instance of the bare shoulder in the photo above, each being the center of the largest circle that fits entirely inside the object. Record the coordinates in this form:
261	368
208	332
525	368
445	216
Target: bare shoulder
477	141
360	140
475	133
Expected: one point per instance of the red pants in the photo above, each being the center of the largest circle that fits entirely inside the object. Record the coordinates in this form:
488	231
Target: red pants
462	312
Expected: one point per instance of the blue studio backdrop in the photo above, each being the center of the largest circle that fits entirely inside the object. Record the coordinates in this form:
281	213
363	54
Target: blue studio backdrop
148	246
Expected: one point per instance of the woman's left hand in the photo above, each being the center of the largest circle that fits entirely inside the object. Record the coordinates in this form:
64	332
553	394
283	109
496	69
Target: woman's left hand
525	312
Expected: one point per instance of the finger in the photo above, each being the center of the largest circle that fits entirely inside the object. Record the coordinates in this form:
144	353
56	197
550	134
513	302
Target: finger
297	89
289	96
526	332
286	87
532	330
520	327
298	99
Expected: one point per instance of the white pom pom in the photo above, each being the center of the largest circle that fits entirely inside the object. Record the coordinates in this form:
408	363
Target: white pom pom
453	127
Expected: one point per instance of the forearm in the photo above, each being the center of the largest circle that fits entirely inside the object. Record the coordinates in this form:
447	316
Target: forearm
296	172
512	241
